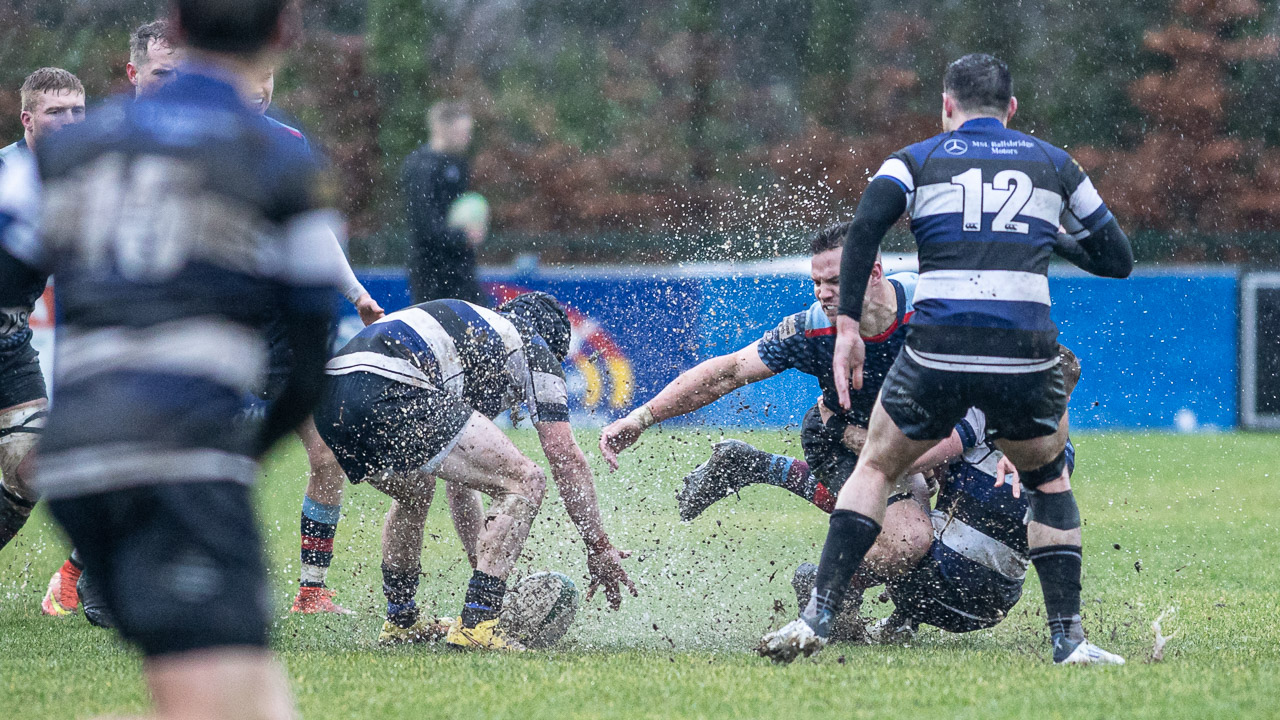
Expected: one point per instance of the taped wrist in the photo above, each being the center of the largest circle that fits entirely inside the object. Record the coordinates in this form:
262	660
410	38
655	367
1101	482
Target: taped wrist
1057	510
642	415
1033	479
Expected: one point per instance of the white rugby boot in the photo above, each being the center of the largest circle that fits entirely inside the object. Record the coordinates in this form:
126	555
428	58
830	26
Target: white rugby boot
789	642
893	630
1086	653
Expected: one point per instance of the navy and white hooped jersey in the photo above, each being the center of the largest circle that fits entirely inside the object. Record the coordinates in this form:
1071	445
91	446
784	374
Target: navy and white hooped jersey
475	354
985	205
976	520
20	286
806	342
174	225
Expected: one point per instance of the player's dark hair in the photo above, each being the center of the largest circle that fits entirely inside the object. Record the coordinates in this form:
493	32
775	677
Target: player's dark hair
242	27
829	238
979	82
1070	365
545	316
157	31
47	79
447	112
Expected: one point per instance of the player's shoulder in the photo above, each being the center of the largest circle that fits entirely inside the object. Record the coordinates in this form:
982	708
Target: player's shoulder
908	282
916	153
288	133
1057	156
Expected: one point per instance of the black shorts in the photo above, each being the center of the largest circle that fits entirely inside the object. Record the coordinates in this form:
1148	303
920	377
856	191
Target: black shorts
951	592
375	425
20	378
926	403
830	461
180	564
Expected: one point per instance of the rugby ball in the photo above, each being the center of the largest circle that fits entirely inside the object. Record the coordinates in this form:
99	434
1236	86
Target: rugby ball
539	609
470	210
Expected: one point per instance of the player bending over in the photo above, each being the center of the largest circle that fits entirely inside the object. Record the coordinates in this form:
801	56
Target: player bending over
144	461
412	398
831	437
51	99
985	205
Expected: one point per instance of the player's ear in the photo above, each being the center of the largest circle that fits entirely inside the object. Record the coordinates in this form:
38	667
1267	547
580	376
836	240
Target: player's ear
1013	108
948	105
27	119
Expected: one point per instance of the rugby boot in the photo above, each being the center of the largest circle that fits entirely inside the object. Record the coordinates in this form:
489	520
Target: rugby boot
425	630
893	630
848	625
486	635
61	599
1086	653
727	471
312	600
794	639
94	601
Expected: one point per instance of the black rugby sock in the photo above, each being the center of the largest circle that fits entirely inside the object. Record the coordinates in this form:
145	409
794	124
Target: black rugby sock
849	538
1059	569
484	598
14	512
399	586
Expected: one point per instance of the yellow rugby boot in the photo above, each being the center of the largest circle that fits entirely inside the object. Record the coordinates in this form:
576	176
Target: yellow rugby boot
484	636
425	630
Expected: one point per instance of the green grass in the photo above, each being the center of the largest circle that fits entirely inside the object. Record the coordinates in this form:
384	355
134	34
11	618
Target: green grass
1172	522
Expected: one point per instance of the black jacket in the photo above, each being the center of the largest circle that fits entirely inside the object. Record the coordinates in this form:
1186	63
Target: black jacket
441	263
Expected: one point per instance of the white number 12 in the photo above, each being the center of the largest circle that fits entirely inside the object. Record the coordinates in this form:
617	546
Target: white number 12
1014	182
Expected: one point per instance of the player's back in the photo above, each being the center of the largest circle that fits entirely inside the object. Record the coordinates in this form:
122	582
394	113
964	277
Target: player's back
985	205
167	224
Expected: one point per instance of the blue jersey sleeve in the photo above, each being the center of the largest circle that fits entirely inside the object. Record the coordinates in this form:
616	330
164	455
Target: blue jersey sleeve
783	347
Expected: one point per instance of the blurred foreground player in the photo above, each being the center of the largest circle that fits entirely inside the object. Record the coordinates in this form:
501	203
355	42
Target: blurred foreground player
51	99
412	398
170	224
985	204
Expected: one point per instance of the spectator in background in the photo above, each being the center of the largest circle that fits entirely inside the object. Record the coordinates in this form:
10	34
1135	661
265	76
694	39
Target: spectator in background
442	259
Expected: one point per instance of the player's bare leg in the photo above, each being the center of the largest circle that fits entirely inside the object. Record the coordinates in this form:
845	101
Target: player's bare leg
321	510
1055	541
402	558
855	525
466	507
217	684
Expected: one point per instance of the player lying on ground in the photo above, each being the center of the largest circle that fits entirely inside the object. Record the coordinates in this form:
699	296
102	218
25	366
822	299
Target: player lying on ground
412	398
51	99
958	566
144	461
804	342
985	204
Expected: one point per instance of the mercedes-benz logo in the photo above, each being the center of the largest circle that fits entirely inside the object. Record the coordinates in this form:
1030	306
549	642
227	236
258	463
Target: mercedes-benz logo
956	146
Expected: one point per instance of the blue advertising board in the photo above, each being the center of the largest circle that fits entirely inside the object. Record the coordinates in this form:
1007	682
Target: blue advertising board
1158	350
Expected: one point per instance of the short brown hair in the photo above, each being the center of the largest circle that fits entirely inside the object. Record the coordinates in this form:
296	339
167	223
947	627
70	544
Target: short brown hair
47	79
140	41
447	112
1070	365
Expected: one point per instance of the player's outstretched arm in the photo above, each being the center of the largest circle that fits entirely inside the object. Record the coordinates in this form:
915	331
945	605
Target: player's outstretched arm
881	206
577	489
695	388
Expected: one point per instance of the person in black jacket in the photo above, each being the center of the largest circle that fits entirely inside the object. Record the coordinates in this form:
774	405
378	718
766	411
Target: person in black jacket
442	259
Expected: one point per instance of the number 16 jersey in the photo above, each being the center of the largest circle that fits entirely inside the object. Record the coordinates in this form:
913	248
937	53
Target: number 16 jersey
985	205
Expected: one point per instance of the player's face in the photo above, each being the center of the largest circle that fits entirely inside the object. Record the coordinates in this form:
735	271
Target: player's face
264	86
459	134
825	271
159	68
53	110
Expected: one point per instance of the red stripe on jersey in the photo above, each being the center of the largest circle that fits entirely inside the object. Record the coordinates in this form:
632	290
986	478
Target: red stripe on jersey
819	332
885	335
317	544
823	498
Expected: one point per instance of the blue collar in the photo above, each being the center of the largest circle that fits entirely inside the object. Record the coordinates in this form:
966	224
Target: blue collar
203	82
982	122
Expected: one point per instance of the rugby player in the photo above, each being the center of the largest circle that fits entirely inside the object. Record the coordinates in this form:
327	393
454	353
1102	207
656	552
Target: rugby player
966	572
411	398
144	461
154	57
831	436
986	204
322	501
51	98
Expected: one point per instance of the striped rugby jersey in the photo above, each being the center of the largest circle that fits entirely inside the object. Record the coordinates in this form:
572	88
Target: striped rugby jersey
20	286
484	359
174	226
980	522
985	204
806	342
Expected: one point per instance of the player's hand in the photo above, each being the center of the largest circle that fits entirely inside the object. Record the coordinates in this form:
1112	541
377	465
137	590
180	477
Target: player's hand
618	436
369	309
604	566
1005	468
850	355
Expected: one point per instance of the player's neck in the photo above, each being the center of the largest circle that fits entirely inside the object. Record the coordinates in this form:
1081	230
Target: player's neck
959	118
879	310
31	140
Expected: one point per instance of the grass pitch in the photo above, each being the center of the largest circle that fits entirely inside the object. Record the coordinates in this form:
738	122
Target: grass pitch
1173	524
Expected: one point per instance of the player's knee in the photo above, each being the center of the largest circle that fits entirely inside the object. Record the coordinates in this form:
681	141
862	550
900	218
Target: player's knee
533	483
1057	510
1045	474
